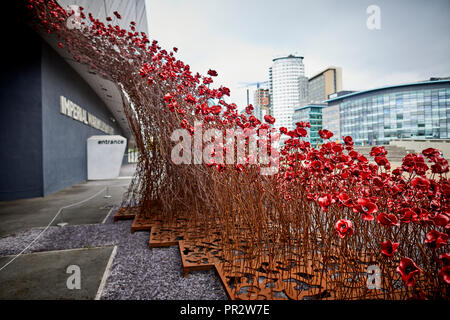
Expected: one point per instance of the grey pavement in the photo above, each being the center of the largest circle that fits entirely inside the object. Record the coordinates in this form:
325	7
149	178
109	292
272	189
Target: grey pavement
44	275
23	214
135	272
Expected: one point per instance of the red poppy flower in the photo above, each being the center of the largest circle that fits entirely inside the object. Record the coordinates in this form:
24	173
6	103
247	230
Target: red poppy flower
353	154
444	259
216	109
441	166
408	215
362	158
168	97
207	80
446	189
269	119
325	201
225	91
377	181
303	124
421	168
190	98
337	148
325	134
436	239
60	45
421	183
301	132
430	152
366	208
117	15
283	130
444	273
387	219
345	199
378	151
388	248
315	165
408	270
184	123
344	228
249	109
212	73
441	220
381	160
348	140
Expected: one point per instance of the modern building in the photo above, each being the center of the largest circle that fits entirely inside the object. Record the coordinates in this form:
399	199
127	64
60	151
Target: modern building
324	83
331	117
51	104
261	102
311	113
303	90
418	110
339	93
284	80
331	120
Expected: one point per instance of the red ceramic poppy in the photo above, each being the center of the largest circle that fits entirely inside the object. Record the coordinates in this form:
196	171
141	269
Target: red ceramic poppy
366	208
344	228
435	239
408	270
388	248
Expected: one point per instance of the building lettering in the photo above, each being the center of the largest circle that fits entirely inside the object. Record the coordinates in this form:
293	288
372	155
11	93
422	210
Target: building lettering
75	112
111	142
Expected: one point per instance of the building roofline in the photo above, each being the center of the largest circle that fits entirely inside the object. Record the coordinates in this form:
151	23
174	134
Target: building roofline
323	71
310	105
386	87
291	56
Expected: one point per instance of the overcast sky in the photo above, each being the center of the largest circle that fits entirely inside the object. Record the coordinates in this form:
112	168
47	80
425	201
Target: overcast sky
239	38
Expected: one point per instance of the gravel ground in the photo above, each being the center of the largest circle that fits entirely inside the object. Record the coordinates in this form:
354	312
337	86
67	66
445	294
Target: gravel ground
136	272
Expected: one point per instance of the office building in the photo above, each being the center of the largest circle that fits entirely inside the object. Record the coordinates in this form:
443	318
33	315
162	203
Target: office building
311	113
284	79
331	120
261	102
419	110
324	83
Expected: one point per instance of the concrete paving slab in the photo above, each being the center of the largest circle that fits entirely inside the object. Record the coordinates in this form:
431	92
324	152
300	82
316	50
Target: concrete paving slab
136	272
44	275
20	215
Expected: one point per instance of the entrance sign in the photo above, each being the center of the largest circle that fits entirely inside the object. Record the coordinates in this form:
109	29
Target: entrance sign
104	156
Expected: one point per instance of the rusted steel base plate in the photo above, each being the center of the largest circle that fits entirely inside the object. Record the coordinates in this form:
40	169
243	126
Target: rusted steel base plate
164	234
271	281
141	223
259	279
247	277
199	255
125	213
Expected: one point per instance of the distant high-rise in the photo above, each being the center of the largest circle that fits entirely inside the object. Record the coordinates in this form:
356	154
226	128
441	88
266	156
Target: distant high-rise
286	76
324	83
261	102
